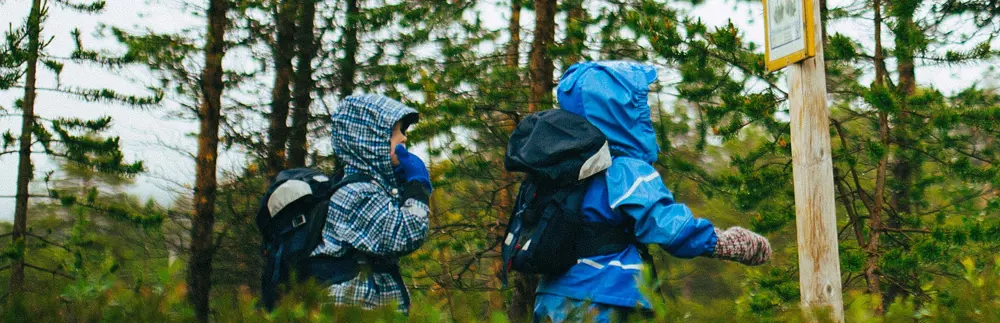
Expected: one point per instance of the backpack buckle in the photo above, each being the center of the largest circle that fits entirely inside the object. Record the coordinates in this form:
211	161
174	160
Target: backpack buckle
299	221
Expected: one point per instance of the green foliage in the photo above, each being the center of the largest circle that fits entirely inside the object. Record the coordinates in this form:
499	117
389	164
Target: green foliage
78	141
110	96
87	7
13	53
162	299
724	134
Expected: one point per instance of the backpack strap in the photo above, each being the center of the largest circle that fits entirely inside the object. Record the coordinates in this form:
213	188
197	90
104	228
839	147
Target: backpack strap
602	239
597	238
349	179
608	239
347	266
316	235
648	258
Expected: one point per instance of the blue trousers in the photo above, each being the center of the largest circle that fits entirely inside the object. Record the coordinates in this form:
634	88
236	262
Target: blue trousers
558	309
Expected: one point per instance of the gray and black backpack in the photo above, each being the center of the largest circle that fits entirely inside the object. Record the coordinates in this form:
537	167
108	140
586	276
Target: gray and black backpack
559	152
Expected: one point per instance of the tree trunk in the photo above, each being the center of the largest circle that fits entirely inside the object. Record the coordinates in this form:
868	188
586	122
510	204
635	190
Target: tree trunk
522	302
514	29
875	209
505	202
540	77
303	85
576	32
284	51
540	67
349	64
24	168
513	62
824	14
879	57
200	266
906	164
904	168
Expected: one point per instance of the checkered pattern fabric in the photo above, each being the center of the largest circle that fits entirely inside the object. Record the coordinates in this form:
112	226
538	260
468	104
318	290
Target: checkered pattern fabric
364	217
743	246
369	291
370	216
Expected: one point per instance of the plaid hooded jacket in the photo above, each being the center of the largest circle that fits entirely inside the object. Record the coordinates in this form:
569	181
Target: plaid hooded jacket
381	218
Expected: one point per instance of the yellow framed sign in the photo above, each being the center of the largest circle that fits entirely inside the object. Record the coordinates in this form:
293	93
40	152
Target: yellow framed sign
788	32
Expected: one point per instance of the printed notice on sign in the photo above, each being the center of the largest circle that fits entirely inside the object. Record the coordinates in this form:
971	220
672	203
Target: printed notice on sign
785	25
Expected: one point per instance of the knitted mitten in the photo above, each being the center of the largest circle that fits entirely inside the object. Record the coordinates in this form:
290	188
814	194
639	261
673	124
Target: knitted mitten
742	245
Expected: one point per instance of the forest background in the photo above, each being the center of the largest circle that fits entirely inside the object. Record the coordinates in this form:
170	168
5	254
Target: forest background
144	133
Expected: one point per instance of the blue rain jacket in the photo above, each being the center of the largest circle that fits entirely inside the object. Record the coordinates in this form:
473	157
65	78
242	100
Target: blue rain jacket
612	95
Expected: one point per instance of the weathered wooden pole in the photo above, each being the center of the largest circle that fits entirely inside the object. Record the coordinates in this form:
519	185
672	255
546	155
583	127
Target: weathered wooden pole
815	212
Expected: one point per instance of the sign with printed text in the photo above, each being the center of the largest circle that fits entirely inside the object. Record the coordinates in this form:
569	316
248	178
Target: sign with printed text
788	32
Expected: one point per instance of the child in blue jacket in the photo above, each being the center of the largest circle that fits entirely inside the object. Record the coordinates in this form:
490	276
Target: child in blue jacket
612	95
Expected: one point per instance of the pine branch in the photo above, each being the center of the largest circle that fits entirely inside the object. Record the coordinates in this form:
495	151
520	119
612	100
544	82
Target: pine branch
53	272
93	7
964	153
865	198
477	256
747	71
457	225
954	203
851	278
29	195
184	151
220	238
917	293
46	241
902	230
849	206
840	232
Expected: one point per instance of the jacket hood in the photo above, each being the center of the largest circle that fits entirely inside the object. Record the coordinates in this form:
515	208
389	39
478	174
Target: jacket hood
613	96
361	133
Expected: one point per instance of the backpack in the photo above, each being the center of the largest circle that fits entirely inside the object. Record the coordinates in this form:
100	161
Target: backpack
291	218
546	234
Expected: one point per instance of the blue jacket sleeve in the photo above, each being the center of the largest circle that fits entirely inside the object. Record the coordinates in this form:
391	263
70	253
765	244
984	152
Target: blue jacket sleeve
636	190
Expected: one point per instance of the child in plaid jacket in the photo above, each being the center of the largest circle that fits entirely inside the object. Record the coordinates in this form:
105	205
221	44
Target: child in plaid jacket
375	222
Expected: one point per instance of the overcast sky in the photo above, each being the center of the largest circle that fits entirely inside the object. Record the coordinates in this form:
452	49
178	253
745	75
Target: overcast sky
144	135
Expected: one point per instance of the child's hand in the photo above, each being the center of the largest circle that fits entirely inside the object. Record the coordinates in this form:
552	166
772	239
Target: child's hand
743	246
412	168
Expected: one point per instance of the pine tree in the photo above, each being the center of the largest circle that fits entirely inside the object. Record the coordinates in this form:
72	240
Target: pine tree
86	236
540	64
306	50
899	148
577	21
283	50
348	65
903	234
176	63
70	139
24	169
202	246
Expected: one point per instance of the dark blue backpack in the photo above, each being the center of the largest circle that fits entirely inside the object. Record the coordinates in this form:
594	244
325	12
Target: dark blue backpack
546	234
291	217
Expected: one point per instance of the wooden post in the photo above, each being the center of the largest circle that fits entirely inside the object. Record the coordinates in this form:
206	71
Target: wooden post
815	212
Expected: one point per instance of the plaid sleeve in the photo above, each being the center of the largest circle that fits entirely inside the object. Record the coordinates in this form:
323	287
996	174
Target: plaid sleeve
370	292
372	221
